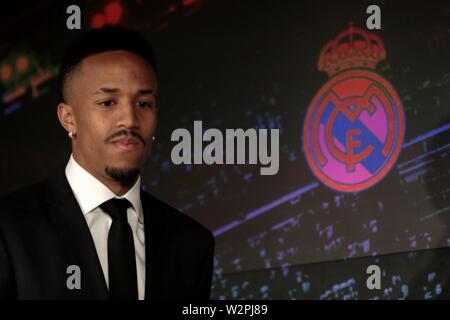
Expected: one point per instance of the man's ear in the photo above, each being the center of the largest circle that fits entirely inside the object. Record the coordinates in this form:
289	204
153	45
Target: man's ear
66	117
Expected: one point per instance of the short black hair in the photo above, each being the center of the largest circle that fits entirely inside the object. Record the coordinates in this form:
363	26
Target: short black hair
105	39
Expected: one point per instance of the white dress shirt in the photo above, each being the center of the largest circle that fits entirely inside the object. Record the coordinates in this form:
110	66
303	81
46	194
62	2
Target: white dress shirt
90	194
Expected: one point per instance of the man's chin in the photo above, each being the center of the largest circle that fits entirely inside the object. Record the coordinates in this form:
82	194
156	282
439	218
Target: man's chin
122	174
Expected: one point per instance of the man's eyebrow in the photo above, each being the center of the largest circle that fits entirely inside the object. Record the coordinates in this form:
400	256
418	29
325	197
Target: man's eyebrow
107	90
117	90
145	91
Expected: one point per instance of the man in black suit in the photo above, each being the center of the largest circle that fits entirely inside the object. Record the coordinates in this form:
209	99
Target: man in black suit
89	231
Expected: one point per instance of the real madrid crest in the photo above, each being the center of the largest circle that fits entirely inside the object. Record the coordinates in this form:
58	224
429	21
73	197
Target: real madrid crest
354	126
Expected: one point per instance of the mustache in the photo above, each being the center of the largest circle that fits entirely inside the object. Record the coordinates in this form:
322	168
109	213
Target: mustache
125	133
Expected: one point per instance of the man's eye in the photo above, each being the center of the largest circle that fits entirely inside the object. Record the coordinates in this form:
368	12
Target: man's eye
144	104
107	103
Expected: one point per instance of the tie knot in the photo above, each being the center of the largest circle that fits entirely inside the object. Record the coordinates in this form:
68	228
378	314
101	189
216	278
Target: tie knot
116	208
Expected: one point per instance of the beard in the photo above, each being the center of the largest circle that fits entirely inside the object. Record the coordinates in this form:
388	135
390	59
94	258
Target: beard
122	175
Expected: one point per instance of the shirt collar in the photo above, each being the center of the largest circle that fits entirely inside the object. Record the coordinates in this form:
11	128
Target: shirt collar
91	193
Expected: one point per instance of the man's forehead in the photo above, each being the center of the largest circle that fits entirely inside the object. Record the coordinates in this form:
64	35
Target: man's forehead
117	67
96	74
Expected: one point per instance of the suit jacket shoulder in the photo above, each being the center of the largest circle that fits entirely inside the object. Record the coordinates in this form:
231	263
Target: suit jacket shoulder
185	252
22	204
181	223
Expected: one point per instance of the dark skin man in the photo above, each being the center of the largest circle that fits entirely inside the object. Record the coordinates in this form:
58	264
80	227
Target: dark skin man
110	110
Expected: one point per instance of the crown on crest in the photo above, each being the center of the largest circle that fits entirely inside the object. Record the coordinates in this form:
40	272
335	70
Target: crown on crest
352	48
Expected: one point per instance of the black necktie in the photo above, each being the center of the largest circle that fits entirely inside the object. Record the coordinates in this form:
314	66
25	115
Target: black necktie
121	254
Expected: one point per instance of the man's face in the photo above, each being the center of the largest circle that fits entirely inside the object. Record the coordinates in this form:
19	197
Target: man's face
112	97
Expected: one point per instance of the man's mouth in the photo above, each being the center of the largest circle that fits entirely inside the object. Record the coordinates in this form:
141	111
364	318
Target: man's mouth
126	143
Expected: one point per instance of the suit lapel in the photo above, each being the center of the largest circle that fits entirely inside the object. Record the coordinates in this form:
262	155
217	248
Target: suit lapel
76	237
157	249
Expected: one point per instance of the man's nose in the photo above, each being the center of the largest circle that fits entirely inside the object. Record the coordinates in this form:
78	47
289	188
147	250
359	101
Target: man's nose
128	116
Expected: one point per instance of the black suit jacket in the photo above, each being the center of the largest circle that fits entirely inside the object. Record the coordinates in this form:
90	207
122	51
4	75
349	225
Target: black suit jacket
43	231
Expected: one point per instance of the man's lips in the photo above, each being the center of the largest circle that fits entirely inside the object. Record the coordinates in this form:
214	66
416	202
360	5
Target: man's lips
126	143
